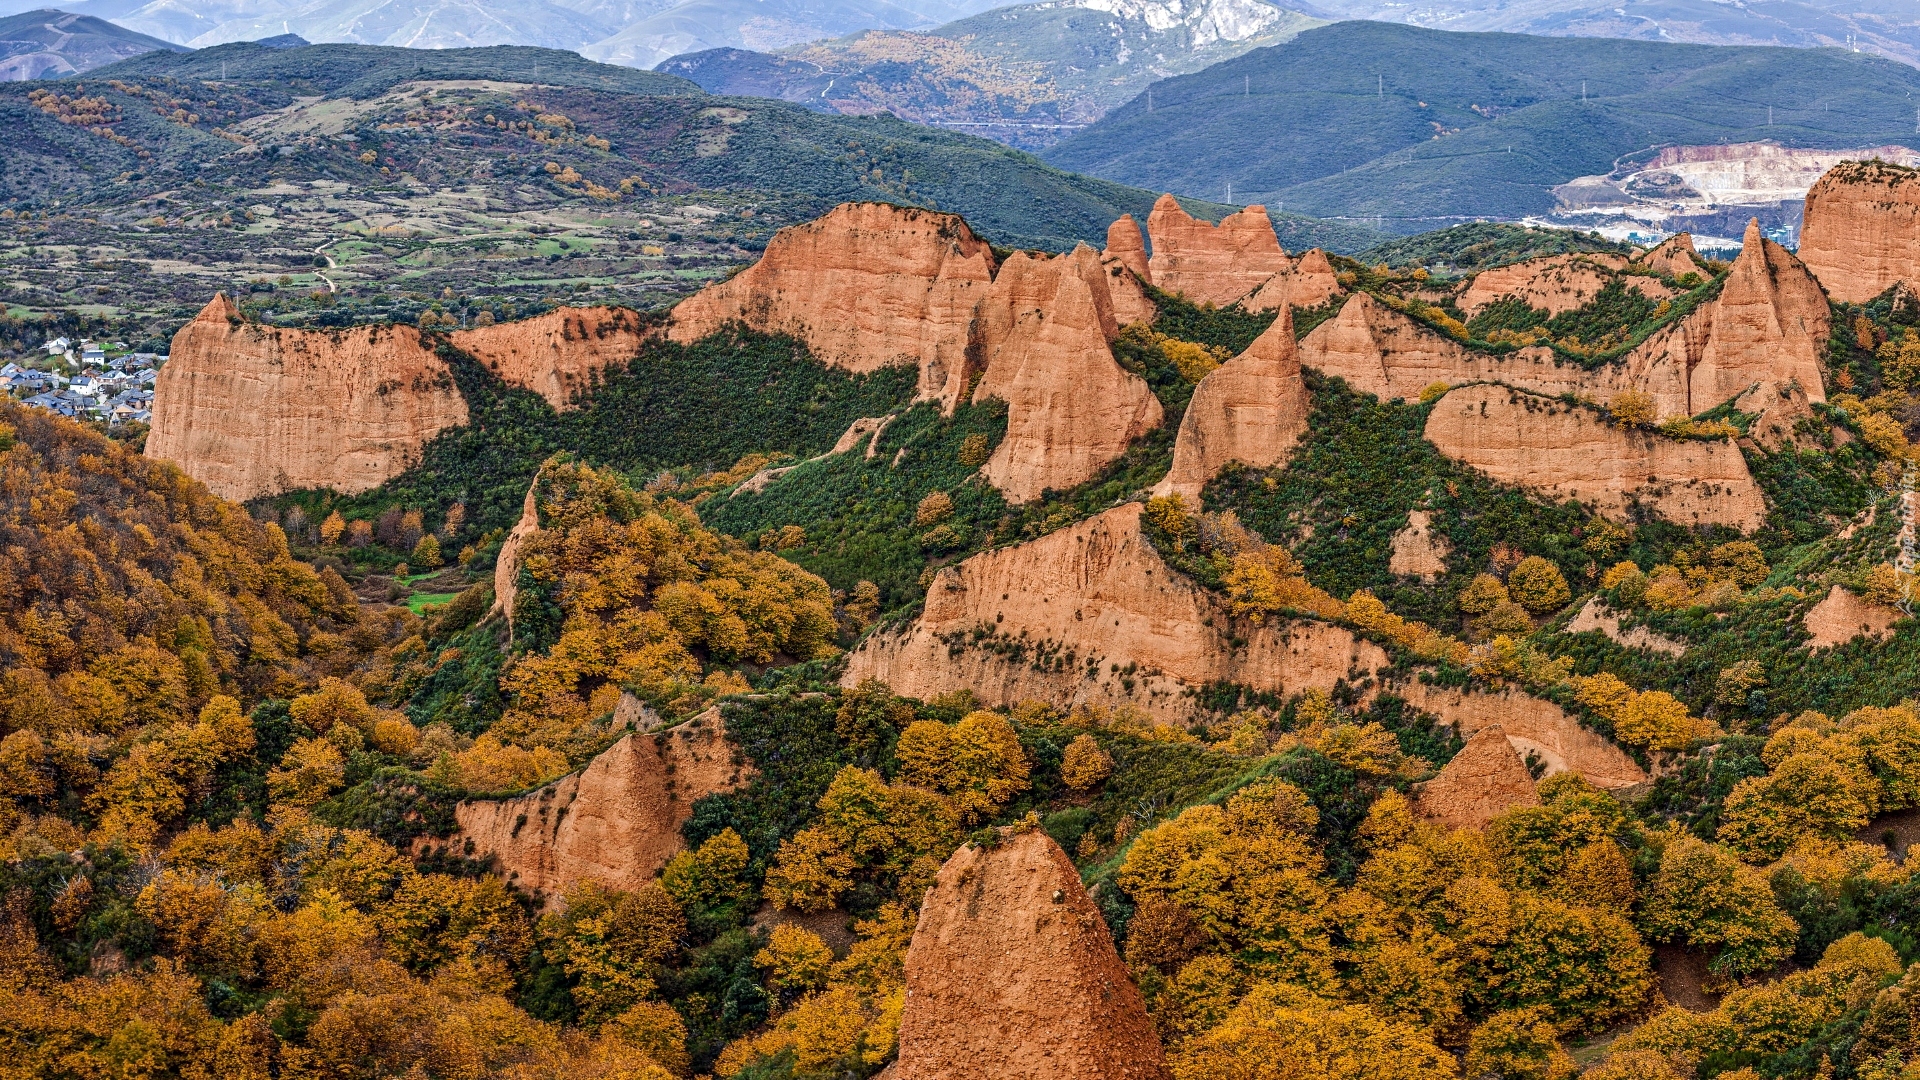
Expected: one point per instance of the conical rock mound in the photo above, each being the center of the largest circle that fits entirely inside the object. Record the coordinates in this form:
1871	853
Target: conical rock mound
1676	256
250	409
1012	975
1770	326
1071	408
1862	229
1310	283
1251	409
865	285
1485	779
1215	264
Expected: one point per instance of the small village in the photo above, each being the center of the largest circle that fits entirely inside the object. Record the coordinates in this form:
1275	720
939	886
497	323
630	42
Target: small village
115	389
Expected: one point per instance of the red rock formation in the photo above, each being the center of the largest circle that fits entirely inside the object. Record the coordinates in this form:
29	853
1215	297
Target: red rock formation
557	354
1097	596
1554	284
1769	327
1842	616
1485	779
1215	264
1531	725
865	285
506	566
254	410
1071	408
1566	451
1125	247
1310	283
1251	409
1012	975
618	820
1862	229
1417	550
1676	257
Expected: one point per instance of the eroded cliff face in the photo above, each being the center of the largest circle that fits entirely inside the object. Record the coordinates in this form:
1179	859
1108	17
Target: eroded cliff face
1309	283
1126	261
1251	409
1566	451
865	285
506	566
1862	229
556	355
1078	602
1071	408
1676	256
1012	975
617	821
1532	726
1215	264
1770	327
255	410
1554	284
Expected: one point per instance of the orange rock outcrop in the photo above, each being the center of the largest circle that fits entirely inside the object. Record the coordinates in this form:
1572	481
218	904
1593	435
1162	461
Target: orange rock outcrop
556	355
1554	284
1485	779
1063	612
1071	408
1532	726
1566	451
506	566
1215	264
1770	326
1596	615
865	285
617	821
1012	975
1842	616
255	410
1676	257
1861	230
1251	409
1419	551
1310	283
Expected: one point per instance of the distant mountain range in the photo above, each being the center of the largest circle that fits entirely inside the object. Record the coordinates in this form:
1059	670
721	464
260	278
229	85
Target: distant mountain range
1888	27
1419	127
48	44
1027	75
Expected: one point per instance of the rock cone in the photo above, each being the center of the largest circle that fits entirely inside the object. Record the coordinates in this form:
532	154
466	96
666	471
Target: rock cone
1676	256
1251	409
1485	779
1310	283
1012	975
1769	326
1126	261
255	410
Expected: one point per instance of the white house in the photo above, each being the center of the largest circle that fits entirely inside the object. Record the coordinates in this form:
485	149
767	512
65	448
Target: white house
58	346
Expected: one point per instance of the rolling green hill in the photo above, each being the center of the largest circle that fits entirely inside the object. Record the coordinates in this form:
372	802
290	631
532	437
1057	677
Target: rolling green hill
1377	120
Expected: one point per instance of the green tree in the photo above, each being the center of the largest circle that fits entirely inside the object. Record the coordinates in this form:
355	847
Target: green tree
1538	586
1709	899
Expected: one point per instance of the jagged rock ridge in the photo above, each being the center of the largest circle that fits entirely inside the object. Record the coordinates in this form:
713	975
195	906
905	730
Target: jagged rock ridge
556	355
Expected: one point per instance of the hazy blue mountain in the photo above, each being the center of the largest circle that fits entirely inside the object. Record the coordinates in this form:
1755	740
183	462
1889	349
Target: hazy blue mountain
47	44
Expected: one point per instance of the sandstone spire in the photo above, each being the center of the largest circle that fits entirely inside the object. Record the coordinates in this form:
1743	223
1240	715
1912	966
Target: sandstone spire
506	566
1676	256
1071	408
1012	975
251	409
1125	247
1862	229
1770	326
1209	263
1127	271
865	285
1251	409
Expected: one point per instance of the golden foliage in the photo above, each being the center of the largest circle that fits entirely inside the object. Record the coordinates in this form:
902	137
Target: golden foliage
1269	581
1084	765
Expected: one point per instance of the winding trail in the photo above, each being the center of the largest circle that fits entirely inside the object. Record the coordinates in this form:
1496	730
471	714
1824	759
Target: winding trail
322	252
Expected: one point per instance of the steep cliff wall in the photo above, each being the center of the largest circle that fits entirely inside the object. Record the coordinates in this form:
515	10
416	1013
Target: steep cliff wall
253	410
1553	284
1566	451
1071	408
1012	975
1862	229
1079	602
617	821
1770	326
1251	409
865	285
1215	264
506	566
557	354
